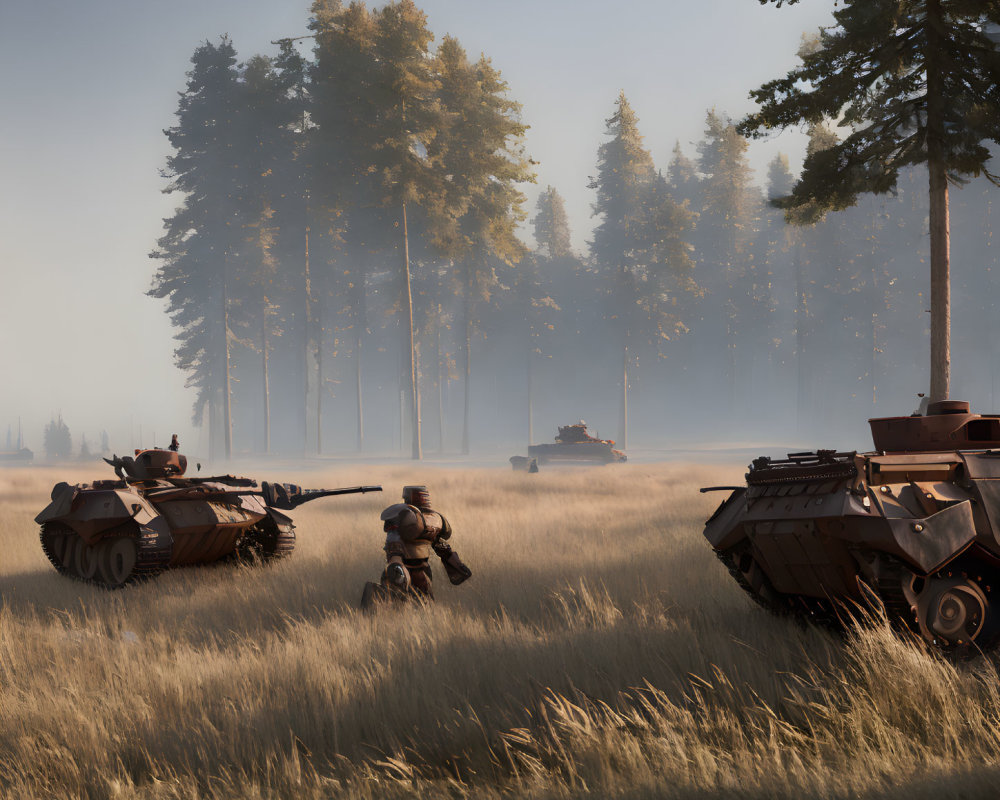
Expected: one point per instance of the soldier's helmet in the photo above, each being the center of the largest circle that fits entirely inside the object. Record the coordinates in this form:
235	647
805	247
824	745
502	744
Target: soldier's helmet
417	496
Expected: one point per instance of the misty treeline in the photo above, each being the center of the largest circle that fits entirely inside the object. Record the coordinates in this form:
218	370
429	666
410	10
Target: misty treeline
330	199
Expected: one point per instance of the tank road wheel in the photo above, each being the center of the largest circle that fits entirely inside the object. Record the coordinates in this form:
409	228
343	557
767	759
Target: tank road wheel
953	612
70	558
84	560
117	558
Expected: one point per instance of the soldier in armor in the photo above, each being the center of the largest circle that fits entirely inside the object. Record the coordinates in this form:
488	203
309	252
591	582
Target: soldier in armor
413	530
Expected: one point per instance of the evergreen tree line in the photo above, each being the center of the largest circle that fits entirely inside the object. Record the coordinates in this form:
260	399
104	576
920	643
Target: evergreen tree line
344	272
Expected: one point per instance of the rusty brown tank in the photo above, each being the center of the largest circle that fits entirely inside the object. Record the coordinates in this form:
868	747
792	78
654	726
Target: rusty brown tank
912	527
115	532
574	443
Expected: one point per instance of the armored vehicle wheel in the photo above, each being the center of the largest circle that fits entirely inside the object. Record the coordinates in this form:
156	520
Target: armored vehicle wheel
85	561
117	558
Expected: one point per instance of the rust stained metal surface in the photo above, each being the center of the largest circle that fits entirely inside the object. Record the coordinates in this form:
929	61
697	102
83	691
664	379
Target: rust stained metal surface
114	532
913	525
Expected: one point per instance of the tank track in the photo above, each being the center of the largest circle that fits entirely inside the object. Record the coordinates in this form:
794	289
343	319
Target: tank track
152	556
890	593
802	609
47	536
267	540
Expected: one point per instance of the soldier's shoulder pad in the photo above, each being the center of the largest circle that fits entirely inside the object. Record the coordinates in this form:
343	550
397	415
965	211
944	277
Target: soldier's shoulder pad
393	511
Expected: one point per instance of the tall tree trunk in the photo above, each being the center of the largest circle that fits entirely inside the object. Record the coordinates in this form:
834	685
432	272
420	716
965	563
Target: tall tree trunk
468	357
212	422
939	227
264	345
417	448
623	432
531	421
227	392
319	380
306	334
357	379
440	385
800	340
359	329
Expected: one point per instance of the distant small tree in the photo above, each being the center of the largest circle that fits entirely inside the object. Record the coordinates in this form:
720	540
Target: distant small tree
58	441
85	453
552	226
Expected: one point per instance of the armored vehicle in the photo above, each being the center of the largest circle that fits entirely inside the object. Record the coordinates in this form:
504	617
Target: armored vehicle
574	443
114	532
912	528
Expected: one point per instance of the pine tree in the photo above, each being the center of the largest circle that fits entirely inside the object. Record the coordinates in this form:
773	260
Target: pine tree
290	178
475	208
727	225
624	176
346	187
551	225
204	235
914	81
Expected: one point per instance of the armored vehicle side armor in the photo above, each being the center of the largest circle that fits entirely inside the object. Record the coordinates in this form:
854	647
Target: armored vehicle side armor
913	527
114	532
574	443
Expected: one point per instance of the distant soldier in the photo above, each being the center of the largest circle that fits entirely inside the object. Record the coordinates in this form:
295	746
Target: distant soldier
413	529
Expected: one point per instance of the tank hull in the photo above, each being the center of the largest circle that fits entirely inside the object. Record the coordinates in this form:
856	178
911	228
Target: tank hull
114	533
587	452
916	534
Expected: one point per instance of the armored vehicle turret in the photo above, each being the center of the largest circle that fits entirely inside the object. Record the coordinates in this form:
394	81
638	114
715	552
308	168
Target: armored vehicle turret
114	532
912	527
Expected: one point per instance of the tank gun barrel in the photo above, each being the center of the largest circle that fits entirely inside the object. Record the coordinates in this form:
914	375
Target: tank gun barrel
287	496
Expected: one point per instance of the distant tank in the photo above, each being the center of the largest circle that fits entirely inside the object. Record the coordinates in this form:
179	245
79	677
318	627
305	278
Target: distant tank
574	443
912	528
114	532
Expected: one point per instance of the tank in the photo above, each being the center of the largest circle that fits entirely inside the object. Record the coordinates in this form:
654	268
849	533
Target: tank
911	529
574	443
116	532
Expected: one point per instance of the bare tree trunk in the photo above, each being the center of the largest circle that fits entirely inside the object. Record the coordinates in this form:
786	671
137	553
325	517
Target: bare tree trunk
319	380
531	421
800	339
212	422
623	434
227	395
267	385
417	449
306	334
440	385
939	226
468	358
357	378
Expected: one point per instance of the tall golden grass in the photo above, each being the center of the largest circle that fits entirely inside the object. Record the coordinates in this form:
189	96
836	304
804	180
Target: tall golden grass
600	649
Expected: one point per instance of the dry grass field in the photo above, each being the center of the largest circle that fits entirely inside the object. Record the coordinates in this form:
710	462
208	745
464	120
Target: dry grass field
599	650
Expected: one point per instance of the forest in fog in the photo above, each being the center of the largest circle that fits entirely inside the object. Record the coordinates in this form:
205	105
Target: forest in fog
372	175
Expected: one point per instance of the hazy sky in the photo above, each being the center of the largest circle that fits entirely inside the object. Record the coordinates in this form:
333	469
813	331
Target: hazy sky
89	87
